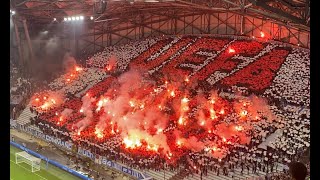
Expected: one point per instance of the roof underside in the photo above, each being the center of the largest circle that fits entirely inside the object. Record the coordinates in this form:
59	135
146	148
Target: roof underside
292	12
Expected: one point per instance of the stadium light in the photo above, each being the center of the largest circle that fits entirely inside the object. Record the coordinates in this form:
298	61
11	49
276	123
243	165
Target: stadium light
74	18
54	19
91	17
13	12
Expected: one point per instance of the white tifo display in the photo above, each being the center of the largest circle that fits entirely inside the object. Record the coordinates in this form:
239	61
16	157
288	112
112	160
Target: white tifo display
24	157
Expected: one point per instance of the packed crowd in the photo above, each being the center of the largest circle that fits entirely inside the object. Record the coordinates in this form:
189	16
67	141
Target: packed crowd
240	67
20	90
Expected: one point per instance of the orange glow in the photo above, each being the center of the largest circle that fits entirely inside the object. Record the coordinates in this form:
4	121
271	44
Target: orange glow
153	148
131	143
244	113
239	128
79	133
231	50
186	79
60	119
209	131
184	100
99	133
180	121
222	111
179	143
224	139
71	75
45	106
262	34
37	99
212	101
195	167
202	123
53	101
105	100
172	93
56	113
159	131
108	67
212	114
68	80
78	69
44	97
100	103
81	110
131	103
58	123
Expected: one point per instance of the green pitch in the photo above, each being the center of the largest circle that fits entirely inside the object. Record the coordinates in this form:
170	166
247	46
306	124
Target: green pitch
22	171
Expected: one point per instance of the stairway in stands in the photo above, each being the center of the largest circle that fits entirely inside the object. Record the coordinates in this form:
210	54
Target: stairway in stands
181	175
161	175
24	118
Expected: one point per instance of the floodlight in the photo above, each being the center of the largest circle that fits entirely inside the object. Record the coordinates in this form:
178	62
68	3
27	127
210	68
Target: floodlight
91	18
77	18
65	19
81	17
73	18
69	18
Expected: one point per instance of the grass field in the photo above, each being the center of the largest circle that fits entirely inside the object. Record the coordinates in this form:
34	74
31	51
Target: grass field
22	171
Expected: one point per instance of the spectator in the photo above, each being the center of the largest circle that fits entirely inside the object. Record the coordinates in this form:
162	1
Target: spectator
298	170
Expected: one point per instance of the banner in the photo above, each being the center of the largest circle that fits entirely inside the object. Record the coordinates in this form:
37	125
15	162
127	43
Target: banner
65	144
124	169
86	153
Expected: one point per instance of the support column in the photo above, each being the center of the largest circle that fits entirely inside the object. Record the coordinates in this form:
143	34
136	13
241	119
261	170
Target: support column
18	41
241	25
142	27
28	38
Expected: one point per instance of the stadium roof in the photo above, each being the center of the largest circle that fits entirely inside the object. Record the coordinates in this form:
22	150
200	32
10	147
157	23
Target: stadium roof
290	12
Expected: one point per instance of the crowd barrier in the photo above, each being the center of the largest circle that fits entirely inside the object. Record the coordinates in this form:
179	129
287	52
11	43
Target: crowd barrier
54	163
